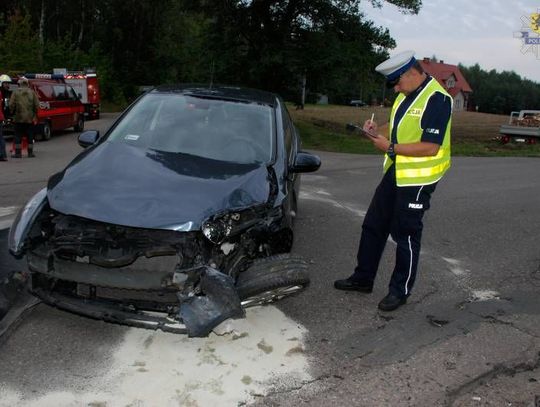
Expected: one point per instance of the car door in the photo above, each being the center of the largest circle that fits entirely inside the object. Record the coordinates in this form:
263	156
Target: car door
61	111
45	94
76	108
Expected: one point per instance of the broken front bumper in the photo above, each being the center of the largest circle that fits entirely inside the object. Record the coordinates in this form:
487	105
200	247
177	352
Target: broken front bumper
193	313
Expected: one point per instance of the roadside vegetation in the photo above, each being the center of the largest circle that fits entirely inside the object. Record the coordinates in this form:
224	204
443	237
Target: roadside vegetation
473	134
329	48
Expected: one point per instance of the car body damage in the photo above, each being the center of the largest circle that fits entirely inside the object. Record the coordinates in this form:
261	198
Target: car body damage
184	188
163	238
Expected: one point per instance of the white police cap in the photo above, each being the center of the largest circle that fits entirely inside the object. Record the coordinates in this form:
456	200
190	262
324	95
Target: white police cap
393	67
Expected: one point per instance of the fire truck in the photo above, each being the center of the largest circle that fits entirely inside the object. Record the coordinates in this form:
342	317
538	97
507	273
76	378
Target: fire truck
85	83
59	106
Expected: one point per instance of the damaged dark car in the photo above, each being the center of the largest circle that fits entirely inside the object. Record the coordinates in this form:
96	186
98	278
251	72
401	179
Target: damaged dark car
177	218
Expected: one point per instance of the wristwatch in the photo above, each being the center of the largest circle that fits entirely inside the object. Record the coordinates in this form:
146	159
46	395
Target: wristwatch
390	150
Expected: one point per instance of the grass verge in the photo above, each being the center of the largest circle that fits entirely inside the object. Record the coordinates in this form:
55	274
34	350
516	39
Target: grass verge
473	134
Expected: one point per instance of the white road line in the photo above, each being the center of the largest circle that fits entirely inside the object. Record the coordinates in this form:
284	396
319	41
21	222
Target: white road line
5	224
323	196
7	215
455	266
8	210
457	269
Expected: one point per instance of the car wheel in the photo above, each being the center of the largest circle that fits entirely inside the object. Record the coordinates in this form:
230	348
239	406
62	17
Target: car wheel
270	279
79	127
46	132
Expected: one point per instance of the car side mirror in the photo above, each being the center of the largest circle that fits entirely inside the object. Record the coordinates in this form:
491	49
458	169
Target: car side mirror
305	162
88	138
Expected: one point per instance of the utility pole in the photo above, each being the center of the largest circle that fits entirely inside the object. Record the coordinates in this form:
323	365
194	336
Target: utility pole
303	99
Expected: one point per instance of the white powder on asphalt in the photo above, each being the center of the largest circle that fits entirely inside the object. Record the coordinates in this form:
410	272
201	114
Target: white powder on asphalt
153	368
484	295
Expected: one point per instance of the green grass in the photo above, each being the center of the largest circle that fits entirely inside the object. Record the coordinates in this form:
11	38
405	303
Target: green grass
493	148
473	134
318	138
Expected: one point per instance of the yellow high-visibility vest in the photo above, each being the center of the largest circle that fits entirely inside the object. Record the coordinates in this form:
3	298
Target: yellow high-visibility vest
412	171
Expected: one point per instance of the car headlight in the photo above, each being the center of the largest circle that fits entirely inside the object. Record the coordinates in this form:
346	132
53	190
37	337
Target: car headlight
217	230
219	227
23	222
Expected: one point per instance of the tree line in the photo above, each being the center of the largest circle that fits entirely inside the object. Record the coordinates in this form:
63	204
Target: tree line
500	92
276	45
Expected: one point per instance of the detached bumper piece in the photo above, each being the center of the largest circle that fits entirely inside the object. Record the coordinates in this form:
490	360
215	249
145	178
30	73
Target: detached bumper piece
216	299
220	302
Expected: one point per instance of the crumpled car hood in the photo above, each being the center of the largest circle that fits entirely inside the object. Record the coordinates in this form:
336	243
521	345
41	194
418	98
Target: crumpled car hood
125	185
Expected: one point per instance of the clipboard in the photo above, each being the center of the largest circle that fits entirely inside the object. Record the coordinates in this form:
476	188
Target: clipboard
367	134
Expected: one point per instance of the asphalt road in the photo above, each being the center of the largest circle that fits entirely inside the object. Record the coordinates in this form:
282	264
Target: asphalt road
469	335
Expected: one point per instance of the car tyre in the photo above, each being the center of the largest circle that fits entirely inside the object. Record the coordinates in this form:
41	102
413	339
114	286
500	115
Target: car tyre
46	133
79	127
272	278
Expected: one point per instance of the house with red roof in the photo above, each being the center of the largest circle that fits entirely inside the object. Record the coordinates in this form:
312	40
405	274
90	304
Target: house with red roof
451	78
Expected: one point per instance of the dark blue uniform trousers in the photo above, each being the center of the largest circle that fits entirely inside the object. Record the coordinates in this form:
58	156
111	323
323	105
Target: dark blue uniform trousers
395	211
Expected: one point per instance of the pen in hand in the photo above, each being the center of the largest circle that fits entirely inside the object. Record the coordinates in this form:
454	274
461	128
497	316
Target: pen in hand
371	120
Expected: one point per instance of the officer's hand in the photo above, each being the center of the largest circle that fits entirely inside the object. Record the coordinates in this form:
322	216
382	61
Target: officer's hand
381	143
370	126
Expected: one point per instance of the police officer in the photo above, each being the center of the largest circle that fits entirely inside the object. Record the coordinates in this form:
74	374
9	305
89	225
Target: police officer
24	104
417	156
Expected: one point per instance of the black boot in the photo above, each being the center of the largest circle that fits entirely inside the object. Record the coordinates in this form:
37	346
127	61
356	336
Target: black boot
31	150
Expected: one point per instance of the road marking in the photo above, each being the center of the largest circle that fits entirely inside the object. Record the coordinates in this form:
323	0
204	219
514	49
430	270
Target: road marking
475	295
323	196
455	266
7	216
154	368
7	210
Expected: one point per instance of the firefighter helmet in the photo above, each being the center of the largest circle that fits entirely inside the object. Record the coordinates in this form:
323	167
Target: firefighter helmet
4	78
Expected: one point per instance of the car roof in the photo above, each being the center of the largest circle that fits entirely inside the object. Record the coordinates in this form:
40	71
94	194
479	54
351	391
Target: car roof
235	93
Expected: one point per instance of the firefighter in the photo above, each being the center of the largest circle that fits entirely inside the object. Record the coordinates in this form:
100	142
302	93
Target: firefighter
5	92
4	97
24	104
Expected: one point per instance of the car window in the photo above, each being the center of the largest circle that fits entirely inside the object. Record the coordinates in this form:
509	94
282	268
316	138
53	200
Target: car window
71	93
45	92
211	128
60	92
287	130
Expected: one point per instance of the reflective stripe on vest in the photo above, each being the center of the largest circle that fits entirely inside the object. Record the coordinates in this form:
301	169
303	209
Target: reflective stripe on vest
418	170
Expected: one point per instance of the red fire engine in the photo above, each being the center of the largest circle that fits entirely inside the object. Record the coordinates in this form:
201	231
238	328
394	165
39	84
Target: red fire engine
85	83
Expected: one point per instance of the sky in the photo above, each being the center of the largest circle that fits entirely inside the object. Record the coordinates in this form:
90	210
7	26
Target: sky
466	32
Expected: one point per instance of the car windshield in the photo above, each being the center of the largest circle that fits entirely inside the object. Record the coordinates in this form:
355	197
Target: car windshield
212	128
